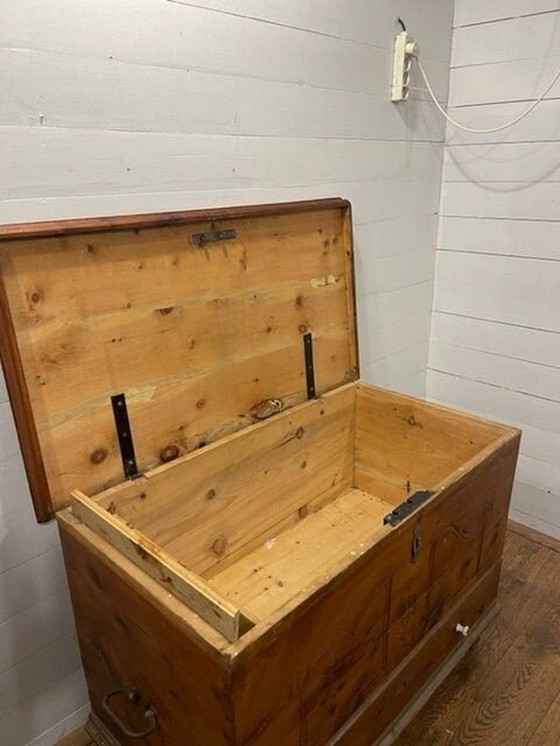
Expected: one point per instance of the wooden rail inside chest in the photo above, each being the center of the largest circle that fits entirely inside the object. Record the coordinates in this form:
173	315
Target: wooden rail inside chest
242	528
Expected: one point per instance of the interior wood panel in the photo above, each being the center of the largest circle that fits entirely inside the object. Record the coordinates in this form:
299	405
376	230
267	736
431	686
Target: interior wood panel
264	579
211	505
138	305
417	446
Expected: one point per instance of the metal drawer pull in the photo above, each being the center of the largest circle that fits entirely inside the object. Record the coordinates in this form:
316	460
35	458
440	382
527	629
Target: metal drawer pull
462	629
133	695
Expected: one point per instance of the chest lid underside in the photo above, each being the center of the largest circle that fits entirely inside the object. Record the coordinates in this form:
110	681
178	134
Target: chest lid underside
191	322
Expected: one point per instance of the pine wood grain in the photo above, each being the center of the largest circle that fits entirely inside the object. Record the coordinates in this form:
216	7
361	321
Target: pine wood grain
159	565
199	334
262	580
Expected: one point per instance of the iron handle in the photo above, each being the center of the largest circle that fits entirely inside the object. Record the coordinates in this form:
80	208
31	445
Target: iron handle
133	695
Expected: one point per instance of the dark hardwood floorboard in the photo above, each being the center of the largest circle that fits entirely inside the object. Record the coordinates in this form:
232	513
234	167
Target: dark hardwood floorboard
506	691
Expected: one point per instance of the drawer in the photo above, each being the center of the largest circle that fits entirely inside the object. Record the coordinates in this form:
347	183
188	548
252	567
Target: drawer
406	681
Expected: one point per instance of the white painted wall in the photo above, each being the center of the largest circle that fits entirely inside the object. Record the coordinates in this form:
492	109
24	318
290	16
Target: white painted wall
114	107
496	330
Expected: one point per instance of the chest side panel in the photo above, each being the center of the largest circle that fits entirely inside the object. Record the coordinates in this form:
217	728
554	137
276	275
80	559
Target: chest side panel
129	641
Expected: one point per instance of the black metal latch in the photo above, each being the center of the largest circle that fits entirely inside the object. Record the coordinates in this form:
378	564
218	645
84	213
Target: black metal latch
403	510
203	238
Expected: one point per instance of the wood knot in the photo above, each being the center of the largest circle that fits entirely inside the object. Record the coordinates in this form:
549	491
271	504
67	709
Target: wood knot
36	297
299	433
201	403
166	311
219	547
266	408
211	494
299	300
98	456
169	453
413	422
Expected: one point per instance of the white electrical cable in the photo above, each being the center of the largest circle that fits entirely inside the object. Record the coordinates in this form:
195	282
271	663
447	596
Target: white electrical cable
492	129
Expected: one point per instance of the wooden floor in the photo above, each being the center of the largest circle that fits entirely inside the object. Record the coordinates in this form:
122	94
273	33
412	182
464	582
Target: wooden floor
506	691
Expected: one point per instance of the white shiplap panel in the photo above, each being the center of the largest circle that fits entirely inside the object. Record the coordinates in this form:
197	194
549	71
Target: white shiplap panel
3	390
389	337
516	342
530	39
541	474
511	237
24	634
14	490
498	288
361	20
539	445
542	124
31	583
498	370
536	508
503	199
397	235
160	31
164	35
124	162
9	447
496	329
403	372
398	305
53	663
64	727
519	163
370	200
390	273
493	401
504	81
100	93
483	11
22	538
45	706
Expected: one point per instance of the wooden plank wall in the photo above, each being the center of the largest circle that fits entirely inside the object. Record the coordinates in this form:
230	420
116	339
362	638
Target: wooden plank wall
496	331
146	105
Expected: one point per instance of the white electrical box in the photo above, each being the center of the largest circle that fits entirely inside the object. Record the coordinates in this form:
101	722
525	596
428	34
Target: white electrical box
405	49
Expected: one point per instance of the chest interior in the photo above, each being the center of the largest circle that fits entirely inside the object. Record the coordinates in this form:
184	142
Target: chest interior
191	381
267	517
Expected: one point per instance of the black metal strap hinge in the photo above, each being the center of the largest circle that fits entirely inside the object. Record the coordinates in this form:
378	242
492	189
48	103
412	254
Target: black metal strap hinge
403	510
309	365
124	435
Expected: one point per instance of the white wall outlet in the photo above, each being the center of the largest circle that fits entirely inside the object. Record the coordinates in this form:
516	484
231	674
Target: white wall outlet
405	49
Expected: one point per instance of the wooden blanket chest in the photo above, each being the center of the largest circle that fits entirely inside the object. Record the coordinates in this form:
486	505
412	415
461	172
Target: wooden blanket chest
261	550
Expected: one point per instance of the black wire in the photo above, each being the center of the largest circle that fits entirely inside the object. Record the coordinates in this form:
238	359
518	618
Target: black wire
400	20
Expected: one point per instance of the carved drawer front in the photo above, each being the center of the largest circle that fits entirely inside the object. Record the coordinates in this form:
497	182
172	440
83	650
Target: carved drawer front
409	678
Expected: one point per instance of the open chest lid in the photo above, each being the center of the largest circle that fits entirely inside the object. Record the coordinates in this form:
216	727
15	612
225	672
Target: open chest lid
129	341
